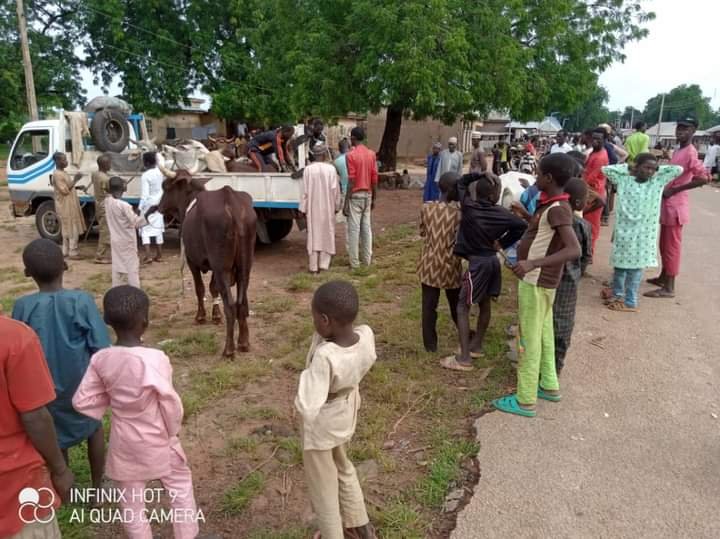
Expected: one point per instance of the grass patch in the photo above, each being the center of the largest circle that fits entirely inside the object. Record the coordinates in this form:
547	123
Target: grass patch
258	412
12	275
444	469
212	384
195	344
6	305
236	499
290	452
81	468
241	444
276	305
399	520
98	283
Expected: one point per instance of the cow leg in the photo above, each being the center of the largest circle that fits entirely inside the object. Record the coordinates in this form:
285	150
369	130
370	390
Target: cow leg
215	293
243	310
201	316
230	313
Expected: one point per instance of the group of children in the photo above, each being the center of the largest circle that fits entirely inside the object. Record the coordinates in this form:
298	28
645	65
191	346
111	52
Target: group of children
134	382
554	249
118	224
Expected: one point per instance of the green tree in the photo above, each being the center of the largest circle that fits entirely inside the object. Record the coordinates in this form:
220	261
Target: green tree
681	101
415	58
52	33
630	116
591	112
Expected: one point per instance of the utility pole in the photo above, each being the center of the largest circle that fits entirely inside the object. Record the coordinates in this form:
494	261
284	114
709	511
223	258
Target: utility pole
27	62
662	106
632	117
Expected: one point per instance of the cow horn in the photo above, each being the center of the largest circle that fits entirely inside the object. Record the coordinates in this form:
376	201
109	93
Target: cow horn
167	173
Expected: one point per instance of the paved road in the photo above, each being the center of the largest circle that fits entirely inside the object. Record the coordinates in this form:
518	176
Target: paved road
634	448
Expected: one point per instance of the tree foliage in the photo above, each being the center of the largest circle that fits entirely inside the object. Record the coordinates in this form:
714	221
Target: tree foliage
591	112
272	61
681	101
52	33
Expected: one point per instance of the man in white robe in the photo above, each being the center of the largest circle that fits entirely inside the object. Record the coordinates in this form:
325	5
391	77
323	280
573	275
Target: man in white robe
150	194
320	202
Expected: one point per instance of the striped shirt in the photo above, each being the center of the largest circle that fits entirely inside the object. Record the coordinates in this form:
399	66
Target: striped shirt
542	239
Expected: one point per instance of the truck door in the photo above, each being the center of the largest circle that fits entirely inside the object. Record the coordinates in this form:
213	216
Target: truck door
30	162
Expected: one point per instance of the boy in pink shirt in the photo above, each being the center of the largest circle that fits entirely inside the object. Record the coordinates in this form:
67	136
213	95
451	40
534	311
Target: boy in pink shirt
675	209
136	383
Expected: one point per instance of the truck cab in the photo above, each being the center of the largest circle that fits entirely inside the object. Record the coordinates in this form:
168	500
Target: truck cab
30	168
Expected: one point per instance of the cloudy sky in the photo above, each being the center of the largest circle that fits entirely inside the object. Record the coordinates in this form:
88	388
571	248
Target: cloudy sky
681	49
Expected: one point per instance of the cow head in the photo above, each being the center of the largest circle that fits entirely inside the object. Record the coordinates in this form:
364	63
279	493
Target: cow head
179	190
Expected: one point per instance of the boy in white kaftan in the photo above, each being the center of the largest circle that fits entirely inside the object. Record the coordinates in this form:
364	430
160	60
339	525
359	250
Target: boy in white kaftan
328	400
122	223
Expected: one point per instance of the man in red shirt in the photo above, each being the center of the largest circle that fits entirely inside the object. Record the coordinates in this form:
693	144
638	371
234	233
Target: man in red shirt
595	179
33	473
362	190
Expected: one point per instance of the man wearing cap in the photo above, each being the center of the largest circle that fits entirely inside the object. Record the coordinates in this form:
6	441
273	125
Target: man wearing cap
451	160
431	191
675	209
561	145
320	202
478	161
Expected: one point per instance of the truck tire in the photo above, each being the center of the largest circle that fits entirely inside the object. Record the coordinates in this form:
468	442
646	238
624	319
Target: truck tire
47	221
109	130
278	229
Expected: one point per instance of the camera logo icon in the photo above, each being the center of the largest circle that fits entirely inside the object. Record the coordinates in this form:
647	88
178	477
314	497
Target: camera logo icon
33	501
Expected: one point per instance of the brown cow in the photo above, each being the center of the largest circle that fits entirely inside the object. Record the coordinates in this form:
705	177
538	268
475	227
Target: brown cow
218	234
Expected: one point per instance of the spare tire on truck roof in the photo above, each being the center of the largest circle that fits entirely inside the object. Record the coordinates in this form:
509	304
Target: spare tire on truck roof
110	131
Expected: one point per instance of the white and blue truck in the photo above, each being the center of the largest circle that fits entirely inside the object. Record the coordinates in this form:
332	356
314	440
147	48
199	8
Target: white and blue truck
30	168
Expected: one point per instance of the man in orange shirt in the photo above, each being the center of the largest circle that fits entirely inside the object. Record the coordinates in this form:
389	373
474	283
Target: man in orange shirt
33	473
360	200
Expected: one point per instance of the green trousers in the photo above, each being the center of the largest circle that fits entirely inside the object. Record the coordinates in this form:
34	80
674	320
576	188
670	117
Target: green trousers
537	342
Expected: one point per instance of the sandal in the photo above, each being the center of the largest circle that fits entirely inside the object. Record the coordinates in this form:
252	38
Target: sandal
607	293
656	281
659	293
509	404
621	307
552	397
453	364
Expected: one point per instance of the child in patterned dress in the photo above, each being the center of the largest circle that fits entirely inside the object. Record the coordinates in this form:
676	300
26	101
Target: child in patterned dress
637	223
438	268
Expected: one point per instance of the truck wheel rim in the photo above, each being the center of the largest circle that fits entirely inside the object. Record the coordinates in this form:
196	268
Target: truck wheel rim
50	223
114	130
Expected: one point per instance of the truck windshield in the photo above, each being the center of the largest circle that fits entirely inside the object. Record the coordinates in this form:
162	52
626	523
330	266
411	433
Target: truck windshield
31	147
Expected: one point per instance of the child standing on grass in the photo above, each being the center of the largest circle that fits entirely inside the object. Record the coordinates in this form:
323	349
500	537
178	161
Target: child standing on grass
328	400
123	222
438	268
483	226
135	382
548	243
71	330
566	295
637	222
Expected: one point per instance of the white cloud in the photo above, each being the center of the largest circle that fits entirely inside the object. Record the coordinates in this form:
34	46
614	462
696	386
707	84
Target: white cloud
681	49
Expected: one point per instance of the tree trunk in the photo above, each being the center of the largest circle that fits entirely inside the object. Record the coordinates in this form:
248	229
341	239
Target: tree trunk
387	154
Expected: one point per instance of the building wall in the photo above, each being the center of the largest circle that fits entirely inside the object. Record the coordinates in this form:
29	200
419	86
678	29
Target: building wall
416	138
183	123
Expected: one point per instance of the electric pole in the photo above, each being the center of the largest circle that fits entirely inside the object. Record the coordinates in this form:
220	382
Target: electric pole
662	106
27	61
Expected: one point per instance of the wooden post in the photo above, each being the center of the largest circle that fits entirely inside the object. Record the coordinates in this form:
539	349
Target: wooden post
27	62
659	127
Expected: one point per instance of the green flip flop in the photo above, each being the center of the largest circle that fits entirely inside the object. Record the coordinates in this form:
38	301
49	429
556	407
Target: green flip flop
548	396
509	404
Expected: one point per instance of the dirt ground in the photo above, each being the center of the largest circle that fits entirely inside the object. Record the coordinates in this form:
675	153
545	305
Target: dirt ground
241	433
